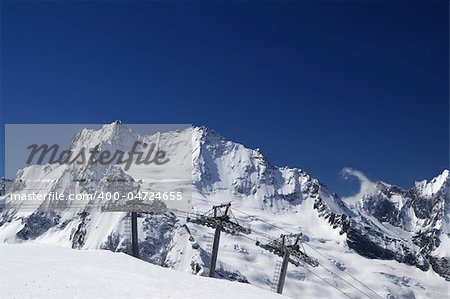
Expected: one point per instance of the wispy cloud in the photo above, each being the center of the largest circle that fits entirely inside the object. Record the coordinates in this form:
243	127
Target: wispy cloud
366	185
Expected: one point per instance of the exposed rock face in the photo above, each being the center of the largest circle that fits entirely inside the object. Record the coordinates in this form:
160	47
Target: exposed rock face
409	226
37	224
420	215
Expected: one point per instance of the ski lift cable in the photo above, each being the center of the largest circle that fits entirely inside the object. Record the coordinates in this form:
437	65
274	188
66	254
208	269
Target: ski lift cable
268	237
265	236
327	282
348	273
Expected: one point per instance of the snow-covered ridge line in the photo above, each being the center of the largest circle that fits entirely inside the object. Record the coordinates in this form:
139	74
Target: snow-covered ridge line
224	171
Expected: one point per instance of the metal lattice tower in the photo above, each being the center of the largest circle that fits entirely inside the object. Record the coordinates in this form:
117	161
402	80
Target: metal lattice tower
222	220
288	247
136	208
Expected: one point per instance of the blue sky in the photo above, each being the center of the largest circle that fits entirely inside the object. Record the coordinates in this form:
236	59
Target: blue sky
320	86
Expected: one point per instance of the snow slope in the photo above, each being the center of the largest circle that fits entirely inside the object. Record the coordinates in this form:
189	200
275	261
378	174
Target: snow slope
368	255
37	271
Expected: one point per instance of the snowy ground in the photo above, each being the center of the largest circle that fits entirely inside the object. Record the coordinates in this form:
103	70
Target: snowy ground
380	278
272	201
38	271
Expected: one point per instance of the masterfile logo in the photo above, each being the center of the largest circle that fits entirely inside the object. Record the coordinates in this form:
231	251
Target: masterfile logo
95	155
115	166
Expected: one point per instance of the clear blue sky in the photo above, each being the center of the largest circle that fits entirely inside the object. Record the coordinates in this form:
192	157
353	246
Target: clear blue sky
320	86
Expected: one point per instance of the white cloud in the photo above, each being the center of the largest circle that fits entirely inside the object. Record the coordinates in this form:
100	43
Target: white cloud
366	185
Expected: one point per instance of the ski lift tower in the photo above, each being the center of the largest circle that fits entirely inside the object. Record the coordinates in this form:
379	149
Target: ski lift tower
288	247
221	219
136	208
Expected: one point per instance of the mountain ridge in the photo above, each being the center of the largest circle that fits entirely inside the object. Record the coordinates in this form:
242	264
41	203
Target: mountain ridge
225	171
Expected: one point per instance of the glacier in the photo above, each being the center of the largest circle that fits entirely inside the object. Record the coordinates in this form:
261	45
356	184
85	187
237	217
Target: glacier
387	242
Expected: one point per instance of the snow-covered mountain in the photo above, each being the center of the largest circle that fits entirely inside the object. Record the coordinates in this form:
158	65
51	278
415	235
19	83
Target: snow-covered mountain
5	185
412	226
409	226
388	242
